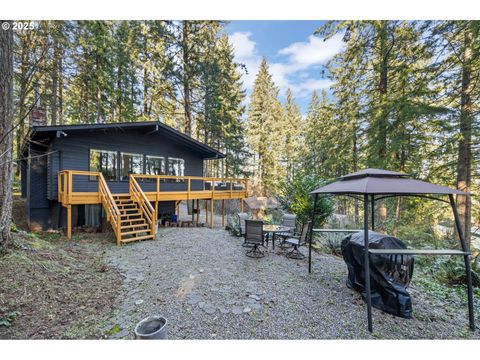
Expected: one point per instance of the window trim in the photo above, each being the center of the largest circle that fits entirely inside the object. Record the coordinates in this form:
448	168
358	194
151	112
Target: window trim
117	165
165	163
168	169
120	153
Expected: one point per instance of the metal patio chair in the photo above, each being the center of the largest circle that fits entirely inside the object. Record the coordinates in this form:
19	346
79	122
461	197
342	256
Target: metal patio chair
241	224
254	237
289	221
298	241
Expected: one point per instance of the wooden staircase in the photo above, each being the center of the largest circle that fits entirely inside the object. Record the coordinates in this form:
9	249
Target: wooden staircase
134	225
131	215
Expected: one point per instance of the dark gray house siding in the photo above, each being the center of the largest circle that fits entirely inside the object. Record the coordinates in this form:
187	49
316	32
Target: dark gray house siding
38	206
73	153
68	148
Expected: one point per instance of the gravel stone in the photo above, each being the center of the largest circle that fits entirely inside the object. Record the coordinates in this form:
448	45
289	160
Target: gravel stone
237	310
284	301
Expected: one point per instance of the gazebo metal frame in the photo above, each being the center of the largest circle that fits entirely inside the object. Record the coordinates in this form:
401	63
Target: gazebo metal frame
374	185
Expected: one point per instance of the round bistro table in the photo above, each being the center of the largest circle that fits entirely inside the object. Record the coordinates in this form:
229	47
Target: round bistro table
274	229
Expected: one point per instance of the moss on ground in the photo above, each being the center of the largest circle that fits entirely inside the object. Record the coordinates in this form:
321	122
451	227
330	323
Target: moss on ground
56	288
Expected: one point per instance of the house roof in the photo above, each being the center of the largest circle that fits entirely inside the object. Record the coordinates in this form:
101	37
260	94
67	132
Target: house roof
384	182
40	132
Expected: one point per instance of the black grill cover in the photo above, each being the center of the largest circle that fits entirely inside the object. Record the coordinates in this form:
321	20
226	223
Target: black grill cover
389	274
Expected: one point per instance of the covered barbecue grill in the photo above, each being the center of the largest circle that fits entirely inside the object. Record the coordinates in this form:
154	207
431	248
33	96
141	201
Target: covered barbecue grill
390	274
371	185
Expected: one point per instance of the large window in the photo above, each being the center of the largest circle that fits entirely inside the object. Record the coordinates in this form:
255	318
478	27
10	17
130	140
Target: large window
176	167
155	165
130	164
105	162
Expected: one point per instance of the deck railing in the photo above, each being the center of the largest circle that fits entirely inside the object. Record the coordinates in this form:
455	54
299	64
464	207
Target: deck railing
110	206
105	197
209	184
144	190
144	205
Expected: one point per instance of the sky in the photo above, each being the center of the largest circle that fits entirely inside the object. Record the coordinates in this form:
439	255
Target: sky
295	56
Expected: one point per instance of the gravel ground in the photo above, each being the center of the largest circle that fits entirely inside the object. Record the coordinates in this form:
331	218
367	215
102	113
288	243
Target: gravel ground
202	282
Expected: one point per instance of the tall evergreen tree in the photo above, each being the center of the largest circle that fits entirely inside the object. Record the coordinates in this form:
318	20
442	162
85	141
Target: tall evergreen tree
293	131
265	119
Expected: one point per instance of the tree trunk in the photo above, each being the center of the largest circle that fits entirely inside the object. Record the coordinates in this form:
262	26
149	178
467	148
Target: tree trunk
382	116
6	133
186	80
145	91
60	88
99	92
464	163
22	98
396	221
355	169
55	81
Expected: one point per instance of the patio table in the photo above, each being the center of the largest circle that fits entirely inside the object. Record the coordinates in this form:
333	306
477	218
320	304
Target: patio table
274	229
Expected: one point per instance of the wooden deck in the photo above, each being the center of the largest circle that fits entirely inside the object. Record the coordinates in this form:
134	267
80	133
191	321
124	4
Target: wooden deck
213	188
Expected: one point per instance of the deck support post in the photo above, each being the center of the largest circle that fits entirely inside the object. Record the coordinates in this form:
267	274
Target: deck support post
466	258
69	222
156	211
223	213
198	211
193	210
206	212
241	205
211	213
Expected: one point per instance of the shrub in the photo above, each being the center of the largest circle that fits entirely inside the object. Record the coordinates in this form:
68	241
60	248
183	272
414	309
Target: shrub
452	271
233	225
332	243
296	199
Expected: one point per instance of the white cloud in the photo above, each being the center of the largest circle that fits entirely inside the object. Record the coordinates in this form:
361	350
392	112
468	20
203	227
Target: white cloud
314	52
244	47
295	72
246	54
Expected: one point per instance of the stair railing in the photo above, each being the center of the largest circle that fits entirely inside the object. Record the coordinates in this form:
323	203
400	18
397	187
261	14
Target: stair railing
137	195
110	206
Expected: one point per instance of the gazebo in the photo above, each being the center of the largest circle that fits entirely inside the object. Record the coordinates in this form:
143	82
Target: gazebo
371	185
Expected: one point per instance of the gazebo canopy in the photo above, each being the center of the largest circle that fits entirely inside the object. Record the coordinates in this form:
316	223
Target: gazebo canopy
377	181
372	182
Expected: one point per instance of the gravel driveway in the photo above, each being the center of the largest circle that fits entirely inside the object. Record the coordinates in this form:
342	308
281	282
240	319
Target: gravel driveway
202	282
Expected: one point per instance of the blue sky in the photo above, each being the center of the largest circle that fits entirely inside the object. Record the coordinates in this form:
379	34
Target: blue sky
296	57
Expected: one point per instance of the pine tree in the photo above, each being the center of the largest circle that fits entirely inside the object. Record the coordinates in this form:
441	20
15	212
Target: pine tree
293	132
458	66
265	118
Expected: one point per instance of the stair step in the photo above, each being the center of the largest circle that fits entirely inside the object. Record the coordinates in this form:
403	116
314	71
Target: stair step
137	238
130	214
121	197
128	209
138	218
133	219
135	232
134	225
